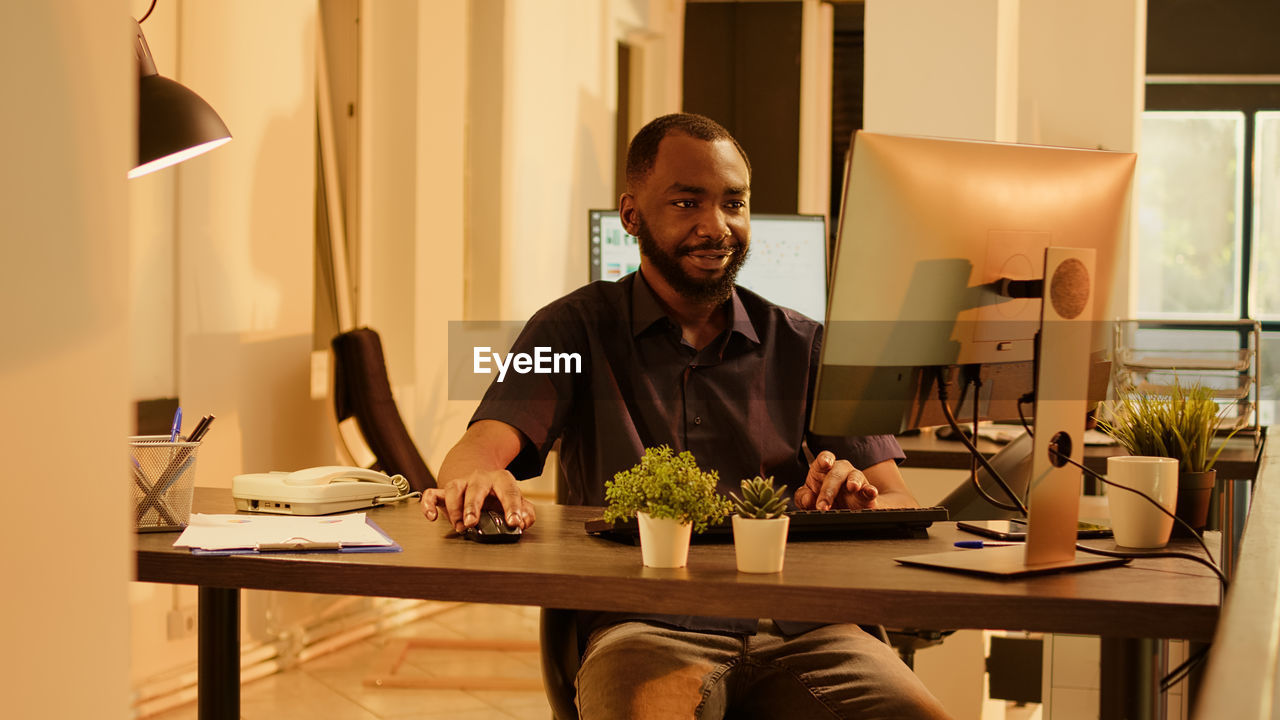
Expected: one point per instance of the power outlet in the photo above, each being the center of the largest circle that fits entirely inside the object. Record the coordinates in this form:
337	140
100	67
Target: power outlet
320	374
181	623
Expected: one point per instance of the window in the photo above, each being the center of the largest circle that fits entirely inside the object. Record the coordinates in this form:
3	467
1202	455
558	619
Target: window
1266	218
1188	195
1207	199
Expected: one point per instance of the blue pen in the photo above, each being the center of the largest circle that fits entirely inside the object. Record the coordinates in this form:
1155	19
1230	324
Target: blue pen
177	425
976	544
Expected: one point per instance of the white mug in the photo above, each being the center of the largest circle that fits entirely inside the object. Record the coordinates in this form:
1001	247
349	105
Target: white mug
1135	522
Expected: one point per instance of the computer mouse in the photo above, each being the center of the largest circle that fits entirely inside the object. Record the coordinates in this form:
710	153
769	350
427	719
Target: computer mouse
493	528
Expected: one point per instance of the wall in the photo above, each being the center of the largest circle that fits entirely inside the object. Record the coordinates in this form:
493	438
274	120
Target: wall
1082	68
245	237
939	67
152	214
67	137
222	248
441	196
515	104
763	70
541	149
1035	71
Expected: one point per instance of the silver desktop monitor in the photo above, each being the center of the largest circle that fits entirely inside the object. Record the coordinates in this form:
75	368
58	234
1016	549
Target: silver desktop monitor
787	262
928	229
944	250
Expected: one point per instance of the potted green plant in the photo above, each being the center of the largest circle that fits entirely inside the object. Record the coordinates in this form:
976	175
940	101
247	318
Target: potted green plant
760	526
670	496
1180	424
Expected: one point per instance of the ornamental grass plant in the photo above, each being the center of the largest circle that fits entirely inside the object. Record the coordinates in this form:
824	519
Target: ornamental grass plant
1181	424
666	485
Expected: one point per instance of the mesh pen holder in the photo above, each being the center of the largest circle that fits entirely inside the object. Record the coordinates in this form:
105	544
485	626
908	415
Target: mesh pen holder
163	478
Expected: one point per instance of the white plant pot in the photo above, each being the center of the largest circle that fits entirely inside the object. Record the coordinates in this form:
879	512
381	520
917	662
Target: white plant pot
664	542
760	544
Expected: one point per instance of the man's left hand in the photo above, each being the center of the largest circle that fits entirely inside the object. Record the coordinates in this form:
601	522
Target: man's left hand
833	483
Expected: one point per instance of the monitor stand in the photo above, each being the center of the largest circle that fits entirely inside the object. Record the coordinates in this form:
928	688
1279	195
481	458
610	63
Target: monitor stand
1062	380
1007	561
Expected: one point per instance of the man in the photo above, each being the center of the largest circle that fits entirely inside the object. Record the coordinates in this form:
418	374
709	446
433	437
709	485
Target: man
676	354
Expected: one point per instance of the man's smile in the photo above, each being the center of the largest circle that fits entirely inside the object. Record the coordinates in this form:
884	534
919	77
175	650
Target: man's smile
710	259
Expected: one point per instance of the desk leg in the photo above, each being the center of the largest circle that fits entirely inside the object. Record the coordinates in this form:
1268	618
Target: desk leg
1233	508
1130	679
219	654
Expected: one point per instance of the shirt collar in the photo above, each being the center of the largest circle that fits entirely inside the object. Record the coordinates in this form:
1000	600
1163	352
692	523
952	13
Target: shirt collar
645	311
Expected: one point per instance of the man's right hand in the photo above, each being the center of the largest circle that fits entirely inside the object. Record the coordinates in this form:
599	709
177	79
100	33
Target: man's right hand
473	476
463	498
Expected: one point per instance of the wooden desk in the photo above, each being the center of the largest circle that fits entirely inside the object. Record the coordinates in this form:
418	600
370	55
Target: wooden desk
1238	461
557	565
1242	679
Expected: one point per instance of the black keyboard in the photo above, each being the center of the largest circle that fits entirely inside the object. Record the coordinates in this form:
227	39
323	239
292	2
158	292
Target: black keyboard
808	525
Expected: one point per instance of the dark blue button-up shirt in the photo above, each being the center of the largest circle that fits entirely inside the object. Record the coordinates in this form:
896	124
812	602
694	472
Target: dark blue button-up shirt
740	404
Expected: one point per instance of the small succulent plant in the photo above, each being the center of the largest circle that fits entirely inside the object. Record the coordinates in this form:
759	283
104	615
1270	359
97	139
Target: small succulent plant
760	499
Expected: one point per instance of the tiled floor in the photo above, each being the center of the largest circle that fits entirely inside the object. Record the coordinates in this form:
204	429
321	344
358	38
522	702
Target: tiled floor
331	687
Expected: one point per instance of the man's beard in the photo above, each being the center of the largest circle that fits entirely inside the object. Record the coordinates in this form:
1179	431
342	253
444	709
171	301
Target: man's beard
704	290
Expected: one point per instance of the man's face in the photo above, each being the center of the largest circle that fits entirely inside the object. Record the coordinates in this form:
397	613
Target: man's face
692	217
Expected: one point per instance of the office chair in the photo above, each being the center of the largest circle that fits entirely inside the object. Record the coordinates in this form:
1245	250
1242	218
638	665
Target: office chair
561	655
362	399
362	395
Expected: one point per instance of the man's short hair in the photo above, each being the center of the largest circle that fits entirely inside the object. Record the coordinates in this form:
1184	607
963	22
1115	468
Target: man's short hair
643	151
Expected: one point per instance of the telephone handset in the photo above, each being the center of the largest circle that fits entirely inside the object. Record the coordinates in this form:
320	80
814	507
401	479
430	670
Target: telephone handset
326	474
318	490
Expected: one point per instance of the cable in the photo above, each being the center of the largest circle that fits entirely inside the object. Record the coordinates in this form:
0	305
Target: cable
1144	496
976	382
1159	554
390	499
1105	481
1018	506
148	13
403	487
1027	398
1208	563
1176	675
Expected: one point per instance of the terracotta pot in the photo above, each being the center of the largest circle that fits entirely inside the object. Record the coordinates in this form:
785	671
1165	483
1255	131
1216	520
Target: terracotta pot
1195	490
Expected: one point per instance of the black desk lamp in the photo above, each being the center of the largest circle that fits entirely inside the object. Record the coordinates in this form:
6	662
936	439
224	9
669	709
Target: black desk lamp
174	123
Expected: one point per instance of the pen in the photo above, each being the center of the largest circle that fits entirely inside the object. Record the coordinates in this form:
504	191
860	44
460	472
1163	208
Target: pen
198	434
975	544
178	464
177	425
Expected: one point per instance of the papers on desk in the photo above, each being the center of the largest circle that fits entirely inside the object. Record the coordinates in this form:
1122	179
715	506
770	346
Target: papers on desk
1000	433
225	534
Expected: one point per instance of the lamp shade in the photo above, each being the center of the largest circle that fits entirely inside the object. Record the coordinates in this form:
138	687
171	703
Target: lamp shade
174	123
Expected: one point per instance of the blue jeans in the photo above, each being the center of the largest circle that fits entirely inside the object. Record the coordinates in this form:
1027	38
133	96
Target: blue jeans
643	670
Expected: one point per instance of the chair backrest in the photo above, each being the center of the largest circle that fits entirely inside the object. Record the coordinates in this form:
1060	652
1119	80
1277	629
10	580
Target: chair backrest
362	394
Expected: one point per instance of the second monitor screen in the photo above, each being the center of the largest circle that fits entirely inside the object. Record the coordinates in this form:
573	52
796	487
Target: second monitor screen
787	262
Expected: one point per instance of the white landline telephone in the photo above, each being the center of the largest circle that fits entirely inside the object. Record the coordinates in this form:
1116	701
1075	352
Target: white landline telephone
318	490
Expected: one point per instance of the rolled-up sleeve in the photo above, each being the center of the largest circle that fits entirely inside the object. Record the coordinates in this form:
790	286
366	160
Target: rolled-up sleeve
862	452
537	405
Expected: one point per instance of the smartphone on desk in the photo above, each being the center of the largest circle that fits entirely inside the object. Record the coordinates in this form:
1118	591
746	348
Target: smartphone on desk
1017	529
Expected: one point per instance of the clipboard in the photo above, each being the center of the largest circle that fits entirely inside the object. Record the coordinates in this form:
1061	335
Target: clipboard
302	546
